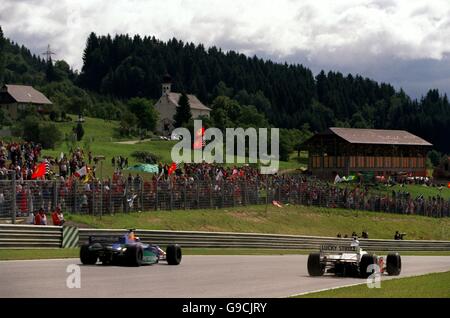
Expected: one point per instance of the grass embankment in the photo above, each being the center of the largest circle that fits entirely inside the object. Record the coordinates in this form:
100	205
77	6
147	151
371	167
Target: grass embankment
414	190
436	285
299	220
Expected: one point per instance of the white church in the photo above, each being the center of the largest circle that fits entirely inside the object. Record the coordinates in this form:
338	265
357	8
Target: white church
167	104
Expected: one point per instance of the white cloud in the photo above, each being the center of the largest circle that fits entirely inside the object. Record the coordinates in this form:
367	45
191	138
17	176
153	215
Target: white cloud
353	35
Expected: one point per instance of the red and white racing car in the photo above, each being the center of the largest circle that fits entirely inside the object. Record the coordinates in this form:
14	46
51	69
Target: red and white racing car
352	260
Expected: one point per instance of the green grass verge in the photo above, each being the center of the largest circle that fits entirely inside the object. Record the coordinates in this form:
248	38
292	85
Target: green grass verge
299	220
53	253
414	189
44	253
436	285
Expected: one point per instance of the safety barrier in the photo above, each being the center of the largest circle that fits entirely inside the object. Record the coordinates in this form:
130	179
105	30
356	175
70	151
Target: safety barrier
30	236
272	241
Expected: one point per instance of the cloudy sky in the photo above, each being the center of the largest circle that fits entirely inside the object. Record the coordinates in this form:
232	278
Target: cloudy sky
404	42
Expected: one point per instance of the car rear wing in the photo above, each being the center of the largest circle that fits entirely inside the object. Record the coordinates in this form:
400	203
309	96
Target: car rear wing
104	239
337	249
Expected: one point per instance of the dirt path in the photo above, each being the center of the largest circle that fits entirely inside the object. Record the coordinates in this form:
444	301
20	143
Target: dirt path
132	142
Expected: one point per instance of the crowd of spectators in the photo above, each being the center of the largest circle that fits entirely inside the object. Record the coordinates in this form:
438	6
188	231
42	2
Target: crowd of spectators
195	185
119	162
19	158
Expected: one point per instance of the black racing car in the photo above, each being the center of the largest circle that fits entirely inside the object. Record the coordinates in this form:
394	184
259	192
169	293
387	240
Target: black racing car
126	250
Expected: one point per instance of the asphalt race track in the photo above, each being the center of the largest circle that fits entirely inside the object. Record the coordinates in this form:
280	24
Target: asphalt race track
197	276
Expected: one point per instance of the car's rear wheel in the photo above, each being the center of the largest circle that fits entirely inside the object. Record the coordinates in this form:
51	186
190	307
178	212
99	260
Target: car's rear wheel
315	266
393	264
173	254
134	255
366	261
87	257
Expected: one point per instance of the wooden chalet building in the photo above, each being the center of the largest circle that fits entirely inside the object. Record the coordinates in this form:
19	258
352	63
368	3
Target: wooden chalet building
347	151
14	98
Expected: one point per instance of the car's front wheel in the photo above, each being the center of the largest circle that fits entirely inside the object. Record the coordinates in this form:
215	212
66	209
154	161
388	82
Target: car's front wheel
393	264
173	254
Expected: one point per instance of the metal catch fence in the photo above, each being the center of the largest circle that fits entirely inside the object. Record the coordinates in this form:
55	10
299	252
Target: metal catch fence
20	198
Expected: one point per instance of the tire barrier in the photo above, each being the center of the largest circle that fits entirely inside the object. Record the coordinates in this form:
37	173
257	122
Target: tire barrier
32	236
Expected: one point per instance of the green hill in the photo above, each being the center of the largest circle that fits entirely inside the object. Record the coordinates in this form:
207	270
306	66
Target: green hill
107	142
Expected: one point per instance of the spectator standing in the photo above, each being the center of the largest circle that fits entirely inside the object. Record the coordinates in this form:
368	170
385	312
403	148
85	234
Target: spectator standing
43	217
58	217
37	218
30	218
2	201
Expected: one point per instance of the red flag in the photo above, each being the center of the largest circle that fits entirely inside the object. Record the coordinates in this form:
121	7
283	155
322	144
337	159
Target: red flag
172	168
39	171
277	203
448	185
199	141
201	132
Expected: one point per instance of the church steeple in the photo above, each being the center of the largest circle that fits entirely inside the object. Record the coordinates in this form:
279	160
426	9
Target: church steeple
166	84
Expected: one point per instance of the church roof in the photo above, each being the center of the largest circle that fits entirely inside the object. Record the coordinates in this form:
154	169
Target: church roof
194	102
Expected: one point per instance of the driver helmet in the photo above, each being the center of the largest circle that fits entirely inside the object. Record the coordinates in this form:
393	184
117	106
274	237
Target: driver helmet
131	235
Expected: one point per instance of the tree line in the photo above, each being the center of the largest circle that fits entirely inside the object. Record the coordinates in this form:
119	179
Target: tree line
117	69
289	95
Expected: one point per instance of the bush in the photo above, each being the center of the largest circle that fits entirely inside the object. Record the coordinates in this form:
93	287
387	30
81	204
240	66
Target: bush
127	126
145	157
5	120
79	131
49	135
435	157
31	129
146	114
53	116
